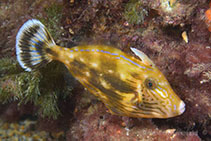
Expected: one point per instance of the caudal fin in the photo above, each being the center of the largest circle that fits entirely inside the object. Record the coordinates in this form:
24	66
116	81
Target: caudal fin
32	41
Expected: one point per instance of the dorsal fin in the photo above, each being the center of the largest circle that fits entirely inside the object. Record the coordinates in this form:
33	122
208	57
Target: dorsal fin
144	58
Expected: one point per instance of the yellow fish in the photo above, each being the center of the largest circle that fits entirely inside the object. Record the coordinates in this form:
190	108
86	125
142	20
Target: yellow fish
126	85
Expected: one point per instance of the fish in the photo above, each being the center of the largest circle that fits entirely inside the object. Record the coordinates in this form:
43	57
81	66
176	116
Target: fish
128	85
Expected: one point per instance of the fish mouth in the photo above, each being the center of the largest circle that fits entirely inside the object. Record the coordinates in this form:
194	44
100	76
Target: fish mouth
181	107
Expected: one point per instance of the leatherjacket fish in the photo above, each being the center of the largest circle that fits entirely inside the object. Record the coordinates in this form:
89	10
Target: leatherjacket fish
128	86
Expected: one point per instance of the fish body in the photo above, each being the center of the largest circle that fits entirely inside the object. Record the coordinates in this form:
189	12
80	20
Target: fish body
128	86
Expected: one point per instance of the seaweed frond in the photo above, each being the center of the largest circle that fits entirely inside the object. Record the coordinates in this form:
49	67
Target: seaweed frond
135	12
50	108
28	87
43	88
53	20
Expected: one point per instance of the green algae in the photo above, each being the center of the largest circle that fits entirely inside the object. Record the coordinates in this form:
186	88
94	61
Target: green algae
8	66
17	85
53	19
50	109
8	69
135	12
5	95
28	88
43	88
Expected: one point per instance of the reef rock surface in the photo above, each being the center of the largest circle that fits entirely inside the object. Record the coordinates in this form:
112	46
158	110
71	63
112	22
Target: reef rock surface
154	26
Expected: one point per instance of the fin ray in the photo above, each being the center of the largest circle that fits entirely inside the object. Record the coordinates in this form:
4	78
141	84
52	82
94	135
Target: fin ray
144	58
32	41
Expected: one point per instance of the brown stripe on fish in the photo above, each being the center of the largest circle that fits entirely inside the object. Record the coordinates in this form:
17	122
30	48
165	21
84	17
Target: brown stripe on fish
149	101
116	107
153	107
149	110
78	68
118	84
150	95
114	110
95	81
137	111
51	52
113	79
165	104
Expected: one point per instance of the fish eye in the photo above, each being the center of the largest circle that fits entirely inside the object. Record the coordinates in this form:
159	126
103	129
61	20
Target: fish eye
150	83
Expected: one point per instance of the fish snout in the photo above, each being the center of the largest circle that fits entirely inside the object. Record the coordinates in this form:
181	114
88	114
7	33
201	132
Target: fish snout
181	108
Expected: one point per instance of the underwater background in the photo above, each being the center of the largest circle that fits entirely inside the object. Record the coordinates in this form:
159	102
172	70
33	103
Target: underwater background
49	104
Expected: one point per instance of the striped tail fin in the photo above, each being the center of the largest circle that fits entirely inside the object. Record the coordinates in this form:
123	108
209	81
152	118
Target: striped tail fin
32	41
